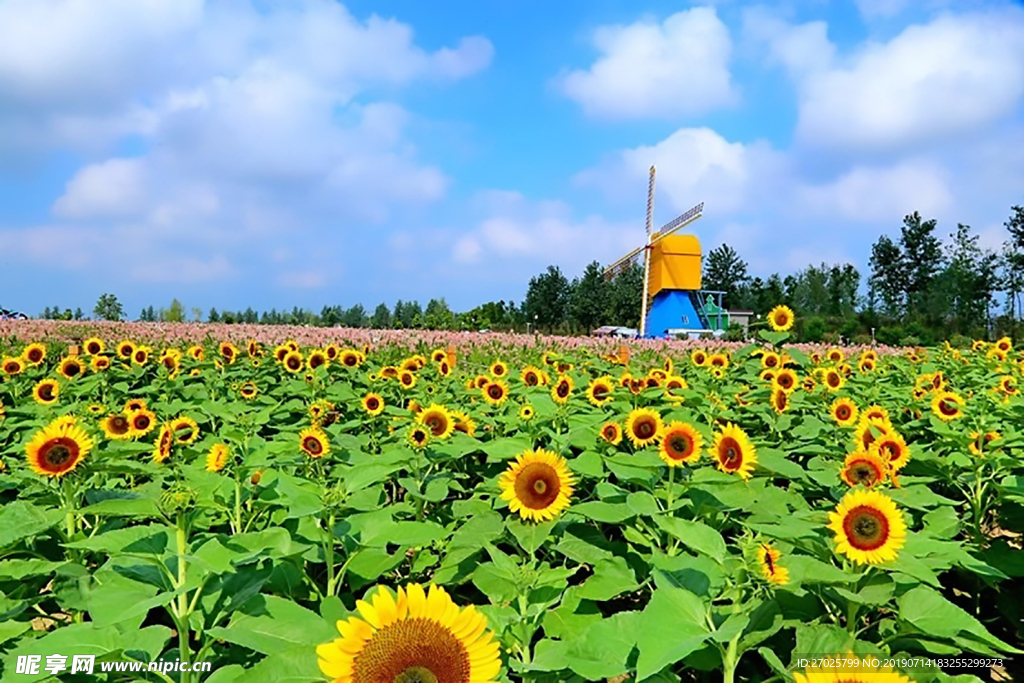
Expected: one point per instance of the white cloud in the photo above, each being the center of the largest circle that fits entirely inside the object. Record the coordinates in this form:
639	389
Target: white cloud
302	279
950	77
116	187
679	67
184	270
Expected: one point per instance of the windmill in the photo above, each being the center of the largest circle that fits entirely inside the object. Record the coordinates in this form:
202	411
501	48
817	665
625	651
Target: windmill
672	298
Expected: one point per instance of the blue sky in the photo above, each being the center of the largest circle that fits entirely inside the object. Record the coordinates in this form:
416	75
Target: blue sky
236	153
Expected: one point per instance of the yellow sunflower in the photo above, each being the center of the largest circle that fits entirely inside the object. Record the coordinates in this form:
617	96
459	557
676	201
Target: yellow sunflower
530	376
869	429
499	369
979	444
293	362
71	367
733	451
833	379
599	391
418	436
771	570
350	358
770	360
373	404
125	349
185	430
438	420
495	393
162	445
465	424
876	412
562	389
93	346
248	390
421	635
46	392
316	359
228	351
217	458
866	365
57	449
854	670
892	449
134	404
779	400
699	357
643	426
868	527
612	433
680	444
34	354
407	379
948	405
786	380
526	413
538	485
196	352
843	411
781	318
117	427
863	468
140	356
142	422
314	443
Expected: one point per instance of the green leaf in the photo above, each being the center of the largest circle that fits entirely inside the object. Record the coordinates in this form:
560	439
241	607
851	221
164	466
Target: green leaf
611	577
695	535
290	666
149	539
19	569
642	503
530	535
599	511
603	649
270	624
123	507
774	461
672	626
21	519
12	629
497	584
588	464
932	614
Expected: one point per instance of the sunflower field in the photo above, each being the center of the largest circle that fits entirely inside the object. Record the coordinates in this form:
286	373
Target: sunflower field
425	508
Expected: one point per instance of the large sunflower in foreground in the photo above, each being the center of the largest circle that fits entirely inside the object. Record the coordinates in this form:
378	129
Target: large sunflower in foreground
680	444
71	367
733	451
495	393
600	390
864	468
562	389
781	318
947	405
868	527
57	449
314	442
537	485
373	403
34	354
422	636
854	670
117	426
46	392
643	426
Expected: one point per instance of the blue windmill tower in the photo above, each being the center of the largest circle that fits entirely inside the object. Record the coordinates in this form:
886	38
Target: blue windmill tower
673	300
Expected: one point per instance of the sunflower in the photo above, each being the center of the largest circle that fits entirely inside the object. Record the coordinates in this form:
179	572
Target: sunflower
134	404
779	400
464	423
718	360
317	358
140	356
768	375
495	392
406	379
438	420
770	359
444	368
418	636
57	449
530	376
866	365
125	349
562	389
863	671
117	427
438	355
228	351
843	411
46	392
771	570
786	380
680	444
809	384
538	485
93	346
868	527
599	391
947	405
248	390
733	451
196	352
835	355
71	367
217	458
172	363
34	354
643	427
1005	344
979	444
781	318
865	468
1008	385
876	412
892	449
699	357
350	358
96	409
526	413
313	441
869	429
833	379
142	422
317	409
418	436
373	404
499	369
162	445
673	384
612	433
185	430
549	358
293	362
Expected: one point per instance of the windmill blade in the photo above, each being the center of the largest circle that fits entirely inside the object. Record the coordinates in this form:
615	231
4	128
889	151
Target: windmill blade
614	269
682	219
650	203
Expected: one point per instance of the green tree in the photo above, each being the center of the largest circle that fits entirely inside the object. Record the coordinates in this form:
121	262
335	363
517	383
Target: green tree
725	271
921	261
438	316
546	298
1013	261
108	308
887	278
381	319
970	282
589	302
625	294
174	314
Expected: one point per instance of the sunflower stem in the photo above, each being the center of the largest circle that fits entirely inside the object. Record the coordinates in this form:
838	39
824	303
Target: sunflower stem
237	522
329	554
183	604
671	483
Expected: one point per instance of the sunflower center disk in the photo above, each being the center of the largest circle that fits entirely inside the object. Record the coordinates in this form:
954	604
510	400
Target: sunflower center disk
58	454
862	473
732	457
679	447
537	486
313	445
412	651
866	528
645	429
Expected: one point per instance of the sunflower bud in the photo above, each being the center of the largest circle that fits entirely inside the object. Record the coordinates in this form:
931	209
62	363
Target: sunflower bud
334	497
255	478
177	499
